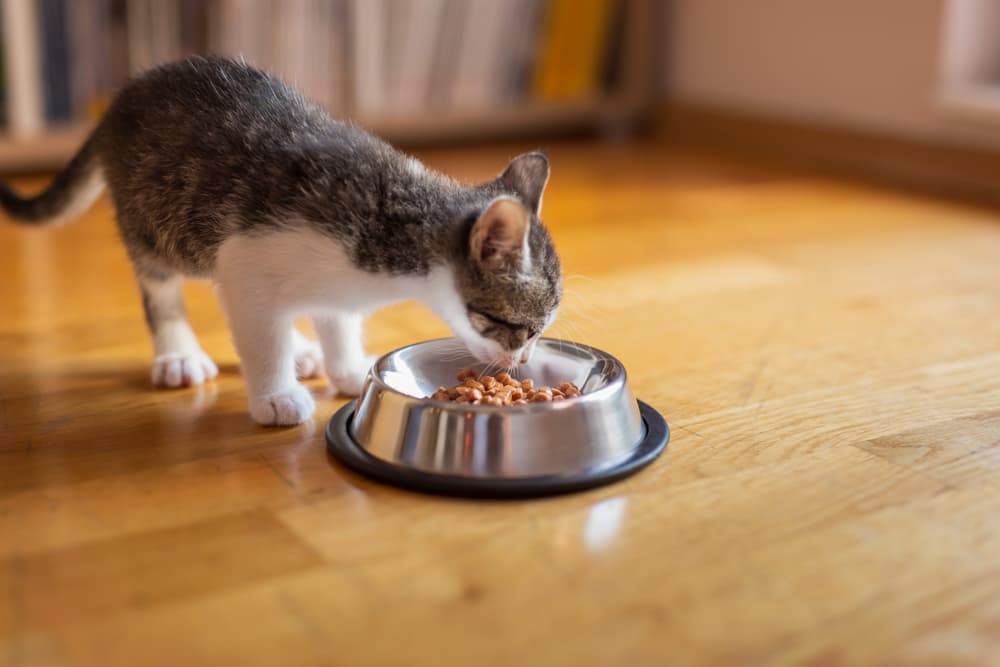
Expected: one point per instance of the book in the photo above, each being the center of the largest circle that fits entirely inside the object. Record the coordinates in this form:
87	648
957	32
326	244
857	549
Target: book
22	63
292	53
596	21
446	51
479	42
164	31
616	47
316	51
342	92
85	48
515	69
3	84
140	35
328	57
575	40
53	27
192	27
64	59
497	48
118	69
214	27
243	29
397	15
417	51
368	32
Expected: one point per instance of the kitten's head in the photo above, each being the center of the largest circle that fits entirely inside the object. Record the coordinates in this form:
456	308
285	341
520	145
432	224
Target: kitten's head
509	277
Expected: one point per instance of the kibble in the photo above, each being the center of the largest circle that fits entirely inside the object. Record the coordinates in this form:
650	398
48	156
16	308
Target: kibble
502	390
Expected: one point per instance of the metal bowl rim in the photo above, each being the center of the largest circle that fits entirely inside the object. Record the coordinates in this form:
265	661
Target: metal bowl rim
621	379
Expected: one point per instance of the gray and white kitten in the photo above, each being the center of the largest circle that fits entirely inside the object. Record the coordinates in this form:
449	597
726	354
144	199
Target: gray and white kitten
220	171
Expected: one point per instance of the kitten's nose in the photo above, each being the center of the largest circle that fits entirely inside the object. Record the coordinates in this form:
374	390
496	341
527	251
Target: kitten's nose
528	350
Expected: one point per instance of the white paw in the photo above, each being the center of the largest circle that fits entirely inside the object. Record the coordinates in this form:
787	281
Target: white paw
348	380
183	369
284	408
308	359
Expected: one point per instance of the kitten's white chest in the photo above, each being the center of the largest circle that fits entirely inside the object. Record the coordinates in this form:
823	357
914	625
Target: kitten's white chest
304	270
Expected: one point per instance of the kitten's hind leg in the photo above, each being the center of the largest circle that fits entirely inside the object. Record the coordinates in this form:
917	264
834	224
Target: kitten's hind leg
308	356
340	335
178	360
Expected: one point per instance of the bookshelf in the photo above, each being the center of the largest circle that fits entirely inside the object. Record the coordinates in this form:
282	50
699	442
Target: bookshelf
615	96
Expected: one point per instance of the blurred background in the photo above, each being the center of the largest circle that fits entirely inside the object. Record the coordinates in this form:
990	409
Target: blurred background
867	85
413	70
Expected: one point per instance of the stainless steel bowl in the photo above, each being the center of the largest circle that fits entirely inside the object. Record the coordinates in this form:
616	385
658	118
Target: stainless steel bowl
394	433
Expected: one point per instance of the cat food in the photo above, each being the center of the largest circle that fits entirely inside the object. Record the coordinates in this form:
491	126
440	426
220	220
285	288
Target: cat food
502	390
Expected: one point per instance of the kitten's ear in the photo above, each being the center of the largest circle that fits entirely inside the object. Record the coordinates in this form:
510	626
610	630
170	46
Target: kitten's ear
526	176
499	238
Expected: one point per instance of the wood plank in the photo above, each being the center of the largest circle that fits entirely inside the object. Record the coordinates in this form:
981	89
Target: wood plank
962	452
778	603
122	576
61	515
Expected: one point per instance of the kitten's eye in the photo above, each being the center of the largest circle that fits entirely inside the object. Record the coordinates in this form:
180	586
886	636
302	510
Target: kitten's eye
484	323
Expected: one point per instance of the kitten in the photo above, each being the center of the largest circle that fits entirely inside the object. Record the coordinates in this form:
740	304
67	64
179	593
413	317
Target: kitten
220	171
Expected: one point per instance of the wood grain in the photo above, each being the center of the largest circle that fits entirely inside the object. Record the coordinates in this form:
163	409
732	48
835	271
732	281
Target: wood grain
827	354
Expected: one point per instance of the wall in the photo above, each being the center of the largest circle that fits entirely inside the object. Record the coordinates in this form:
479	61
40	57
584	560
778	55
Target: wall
869	64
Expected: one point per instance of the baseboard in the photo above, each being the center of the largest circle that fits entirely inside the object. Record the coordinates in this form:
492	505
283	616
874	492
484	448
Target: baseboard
937	169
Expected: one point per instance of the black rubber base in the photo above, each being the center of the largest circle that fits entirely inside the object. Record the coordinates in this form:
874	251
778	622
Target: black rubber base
343	448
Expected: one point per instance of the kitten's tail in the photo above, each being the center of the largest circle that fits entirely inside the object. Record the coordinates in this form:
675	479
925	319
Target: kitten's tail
71	193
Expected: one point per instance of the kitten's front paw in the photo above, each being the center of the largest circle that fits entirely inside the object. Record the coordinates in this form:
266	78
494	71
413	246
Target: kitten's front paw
183	369
285	408
348	381
308	359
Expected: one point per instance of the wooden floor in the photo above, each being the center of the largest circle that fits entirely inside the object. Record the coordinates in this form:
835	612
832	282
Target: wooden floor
828	356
